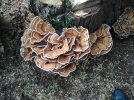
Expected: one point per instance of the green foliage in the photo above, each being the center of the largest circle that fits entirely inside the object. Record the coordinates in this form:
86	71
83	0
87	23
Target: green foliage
61	22
2	2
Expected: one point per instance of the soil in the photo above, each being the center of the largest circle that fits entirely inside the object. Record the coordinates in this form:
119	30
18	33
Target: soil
93	80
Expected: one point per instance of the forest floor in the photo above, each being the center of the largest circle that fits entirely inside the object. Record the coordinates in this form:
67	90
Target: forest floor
93	80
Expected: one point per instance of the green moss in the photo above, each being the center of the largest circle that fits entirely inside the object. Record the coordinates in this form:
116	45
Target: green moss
61	22
2	2
53	88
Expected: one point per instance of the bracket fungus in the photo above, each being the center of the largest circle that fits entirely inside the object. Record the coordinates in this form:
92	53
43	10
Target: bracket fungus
61	53
53	52
125	24
101	41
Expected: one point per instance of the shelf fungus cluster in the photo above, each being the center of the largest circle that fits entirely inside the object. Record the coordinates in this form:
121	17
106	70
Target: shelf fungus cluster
60	53
125	24
101	41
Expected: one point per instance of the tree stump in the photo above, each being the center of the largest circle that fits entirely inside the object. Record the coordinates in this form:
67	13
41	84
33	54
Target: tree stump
109	11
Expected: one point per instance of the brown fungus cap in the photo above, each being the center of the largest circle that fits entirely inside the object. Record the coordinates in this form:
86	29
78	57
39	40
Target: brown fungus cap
101	41
33	37
61	53
51	52
66	70
125	24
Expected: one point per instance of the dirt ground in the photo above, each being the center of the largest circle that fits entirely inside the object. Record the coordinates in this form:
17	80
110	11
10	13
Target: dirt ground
93	80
